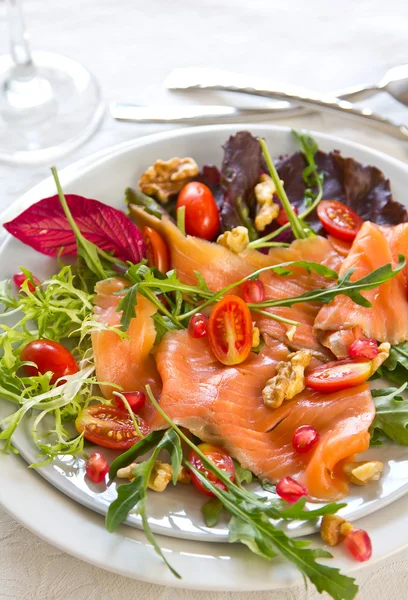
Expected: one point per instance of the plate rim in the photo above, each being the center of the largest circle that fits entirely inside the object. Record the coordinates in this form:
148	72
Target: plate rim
77	169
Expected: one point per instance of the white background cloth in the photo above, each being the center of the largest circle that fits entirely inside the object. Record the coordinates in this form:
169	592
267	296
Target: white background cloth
131	46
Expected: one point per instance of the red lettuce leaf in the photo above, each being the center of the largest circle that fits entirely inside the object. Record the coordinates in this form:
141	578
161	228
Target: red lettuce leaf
239	175
44	227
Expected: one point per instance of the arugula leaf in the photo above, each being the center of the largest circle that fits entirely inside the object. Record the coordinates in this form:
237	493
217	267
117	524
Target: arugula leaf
395	367
391	415
250	524
344	286
128	307
140	448
149	204
211	512
398	356
242	475
299	228
312	177
133	494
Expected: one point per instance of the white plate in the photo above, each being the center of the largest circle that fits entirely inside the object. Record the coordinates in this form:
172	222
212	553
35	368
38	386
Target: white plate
104	177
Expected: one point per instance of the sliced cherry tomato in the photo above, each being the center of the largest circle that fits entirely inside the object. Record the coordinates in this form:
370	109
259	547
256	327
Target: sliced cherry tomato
136	400
97	467
230	330
20	278
363	348
158	254
197	326
109	426
220	458
282	217
48	356
339	220
358	543
202	218
339	375
253	291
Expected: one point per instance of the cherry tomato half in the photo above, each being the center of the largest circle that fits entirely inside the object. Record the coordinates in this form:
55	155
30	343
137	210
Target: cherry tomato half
230	330
220	458
48	356
339	220
158	254
109	426
339	375
202	218
97	467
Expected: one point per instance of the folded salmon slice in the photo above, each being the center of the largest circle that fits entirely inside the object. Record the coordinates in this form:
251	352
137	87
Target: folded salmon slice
223	405
124	362
340	322
221	267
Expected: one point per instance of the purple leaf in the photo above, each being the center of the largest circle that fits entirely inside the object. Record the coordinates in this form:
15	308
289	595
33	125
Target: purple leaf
44	227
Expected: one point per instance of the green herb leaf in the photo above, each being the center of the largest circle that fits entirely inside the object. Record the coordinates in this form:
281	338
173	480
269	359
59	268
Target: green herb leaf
149	204
299	229
142	447
128	307
396	365
212	511
391	414
344	286
250	525
242	475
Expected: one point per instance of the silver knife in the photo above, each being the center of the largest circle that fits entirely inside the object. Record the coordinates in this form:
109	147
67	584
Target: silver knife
214	79
196	113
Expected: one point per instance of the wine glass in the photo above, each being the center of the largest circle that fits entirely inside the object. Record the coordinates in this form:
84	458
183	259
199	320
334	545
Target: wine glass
49	104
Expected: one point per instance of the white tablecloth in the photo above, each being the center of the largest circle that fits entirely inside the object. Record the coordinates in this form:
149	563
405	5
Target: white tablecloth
131	46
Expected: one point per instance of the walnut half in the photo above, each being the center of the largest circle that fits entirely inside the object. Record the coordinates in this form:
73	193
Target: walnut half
160	476
166	177
361	473
235	240
267	210
289	379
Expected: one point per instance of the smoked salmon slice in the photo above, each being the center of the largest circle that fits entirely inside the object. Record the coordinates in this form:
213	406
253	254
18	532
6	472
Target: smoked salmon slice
223	405
221	267
340	322
127	363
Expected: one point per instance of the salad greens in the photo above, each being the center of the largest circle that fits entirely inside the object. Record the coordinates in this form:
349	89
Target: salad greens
250	514
61	309
391	415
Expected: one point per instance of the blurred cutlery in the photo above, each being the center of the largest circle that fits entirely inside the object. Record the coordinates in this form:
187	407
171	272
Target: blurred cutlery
224	81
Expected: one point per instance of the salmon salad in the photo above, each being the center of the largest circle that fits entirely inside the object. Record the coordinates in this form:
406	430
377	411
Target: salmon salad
228	332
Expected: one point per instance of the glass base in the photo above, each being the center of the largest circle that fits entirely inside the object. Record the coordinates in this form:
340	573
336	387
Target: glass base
46	116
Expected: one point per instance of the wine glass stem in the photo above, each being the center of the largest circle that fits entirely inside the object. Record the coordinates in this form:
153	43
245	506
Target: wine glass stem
19	41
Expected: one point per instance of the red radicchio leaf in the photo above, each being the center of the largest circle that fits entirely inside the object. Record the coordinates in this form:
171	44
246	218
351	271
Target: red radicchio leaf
44	227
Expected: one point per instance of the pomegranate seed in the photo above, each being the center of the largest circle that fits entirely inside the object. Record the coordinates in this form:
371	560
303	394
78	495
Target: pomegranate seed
304	438
20	278
290	490
358	543
97	467
363	348
197	327
136	400
253	291
282	217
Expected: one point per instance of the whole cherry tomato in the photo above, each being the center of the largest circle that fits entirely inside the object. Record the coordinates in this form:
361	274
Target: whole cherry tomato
48	356
202	218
